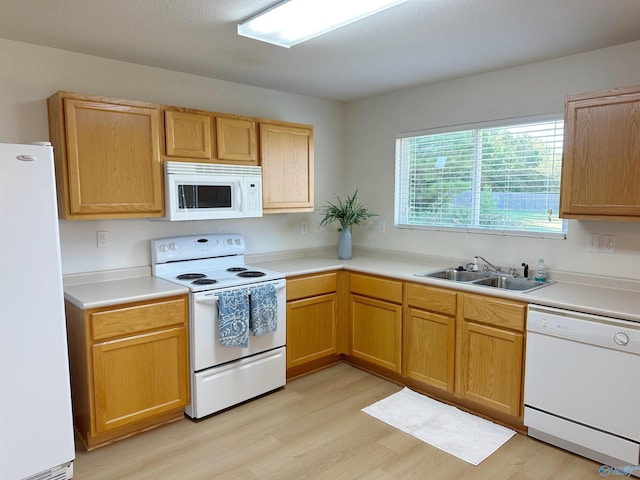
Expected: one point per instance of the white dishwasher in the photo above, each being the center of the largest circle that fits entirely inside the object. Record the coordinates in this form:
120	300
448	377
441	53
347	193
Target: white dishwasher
582	384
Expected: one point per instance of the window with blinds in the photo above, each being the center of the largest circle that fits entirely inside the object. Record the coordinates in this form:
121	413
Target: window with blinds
498	179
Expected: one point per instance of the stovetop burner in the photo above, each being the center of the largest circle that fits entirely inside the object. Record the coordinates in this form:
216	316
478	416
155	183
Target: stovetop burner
190	276
236	269
251	273
204	281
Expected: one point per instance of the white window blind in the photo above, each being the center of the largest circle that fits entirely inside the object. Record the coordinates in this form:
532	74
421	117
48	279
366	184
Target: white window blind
495	179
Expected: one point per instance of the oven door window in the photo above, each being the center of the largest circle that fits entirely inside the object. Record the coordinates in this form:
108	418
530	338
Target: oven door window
204	196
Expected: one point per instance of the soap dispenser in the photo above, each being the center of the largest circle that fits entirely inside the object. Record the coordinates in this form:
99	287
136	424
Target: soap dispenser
474	266
541	275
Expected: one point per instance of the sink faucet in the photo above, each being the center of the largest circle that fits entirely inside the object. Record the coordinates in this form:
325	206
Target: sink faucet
497	269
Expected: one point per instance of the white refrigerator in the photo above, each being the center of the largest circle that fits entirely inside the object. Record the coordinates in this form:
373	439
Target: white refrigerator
36	427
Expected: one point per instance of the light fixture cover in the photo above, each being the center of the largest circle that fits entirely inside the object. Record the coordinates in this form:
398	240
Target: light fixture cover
290	22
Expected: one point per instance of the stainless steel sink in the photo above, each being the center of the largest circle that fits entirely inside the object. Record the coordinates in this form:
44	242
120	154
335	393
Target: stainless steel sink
519	284
512	283
454	275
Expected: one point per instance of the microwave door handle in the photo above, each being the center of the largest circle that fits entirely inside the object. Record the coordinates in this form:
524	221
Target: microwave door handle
239	196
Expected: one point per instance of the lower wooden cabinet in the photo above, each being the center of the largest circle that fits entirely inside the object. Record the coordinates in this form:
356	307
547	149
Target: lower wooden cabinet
491	359
312	322
376	320
430	335
129	367
467	349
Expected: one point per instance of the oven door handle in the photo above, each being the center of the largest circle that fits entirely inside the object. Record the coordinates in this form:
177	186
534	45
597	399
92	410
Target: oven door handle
214	298
211	299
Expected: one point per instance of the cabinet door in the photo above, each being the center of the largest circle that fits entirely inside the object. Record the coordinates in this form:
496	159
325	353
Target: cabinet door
188	134
286	155
237	140
601	159
376	331
311	329
136	378
492	367
430	348
112	160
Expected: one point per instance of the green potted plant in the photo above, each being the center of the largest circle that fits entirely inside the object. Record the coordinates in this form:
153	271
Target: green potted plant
348	212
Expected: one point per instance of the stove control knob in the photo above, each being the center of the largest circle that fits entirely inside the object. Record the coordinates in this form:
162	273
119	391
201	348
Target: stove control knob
230	241
162	248
238	242
173	246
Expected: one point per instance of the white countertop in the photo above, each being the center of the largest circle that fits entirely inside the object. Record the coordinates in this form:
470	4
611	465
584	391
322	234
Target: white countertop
126	290
600	296
575	295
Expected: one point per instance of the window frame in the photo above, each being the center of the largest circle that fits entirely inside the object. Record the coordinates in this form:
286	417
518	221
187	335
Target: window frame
401	181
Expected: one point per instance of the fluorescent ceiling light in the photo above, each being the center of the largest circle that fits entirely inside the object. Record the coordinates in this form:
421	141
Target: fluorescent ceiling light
290	22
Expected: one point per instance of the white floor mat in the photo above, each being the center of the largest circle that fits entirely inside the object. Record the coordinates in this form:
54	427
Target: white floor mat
466	436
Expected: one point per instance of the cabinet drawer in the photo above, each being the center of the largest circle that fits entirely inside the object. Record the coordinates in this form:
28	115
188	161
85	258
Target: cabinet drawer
380	288
311	286
430	298
137	317
494	311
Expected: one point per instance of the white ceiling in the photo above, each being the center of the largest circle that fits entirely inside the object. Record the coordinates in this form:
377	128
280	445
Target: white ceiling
416	43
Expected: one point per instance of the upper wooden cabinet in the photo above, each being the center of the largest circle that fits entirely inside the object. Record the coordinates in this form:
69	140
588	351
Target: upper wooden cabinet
209	137
188	134
286	155
237	139
107	156
602	156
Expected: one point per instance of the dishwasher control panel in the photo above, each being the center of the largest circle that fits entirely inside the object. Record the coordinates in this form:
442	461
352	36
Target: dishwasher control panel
585	328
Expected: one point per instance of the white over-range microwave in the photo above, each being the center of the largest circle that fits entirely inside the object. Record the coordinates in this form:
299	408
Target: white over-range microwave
204	191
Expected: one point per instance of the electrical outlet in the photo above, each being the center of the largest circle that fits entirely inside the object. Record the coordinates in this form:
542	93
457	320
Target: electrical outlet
381	226
101	239
593	242
303	228
609	244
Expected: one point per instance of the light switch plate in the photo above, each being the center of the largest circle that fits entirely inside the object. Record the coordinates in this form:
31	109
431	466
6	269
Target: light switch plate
102	240
592	243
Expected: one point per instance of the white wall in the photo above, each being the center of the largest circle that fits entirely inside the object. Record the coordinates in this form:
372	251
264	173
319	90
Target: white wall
539	88
354	148
30	74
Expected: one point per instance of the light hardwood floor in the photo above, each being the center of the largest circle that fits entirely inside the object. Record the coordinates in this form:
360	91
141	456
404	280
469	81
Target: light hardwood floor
314	429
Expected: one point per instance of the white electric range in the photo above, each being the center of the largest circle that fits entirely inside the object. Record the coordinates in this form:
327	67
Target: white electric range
222	376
